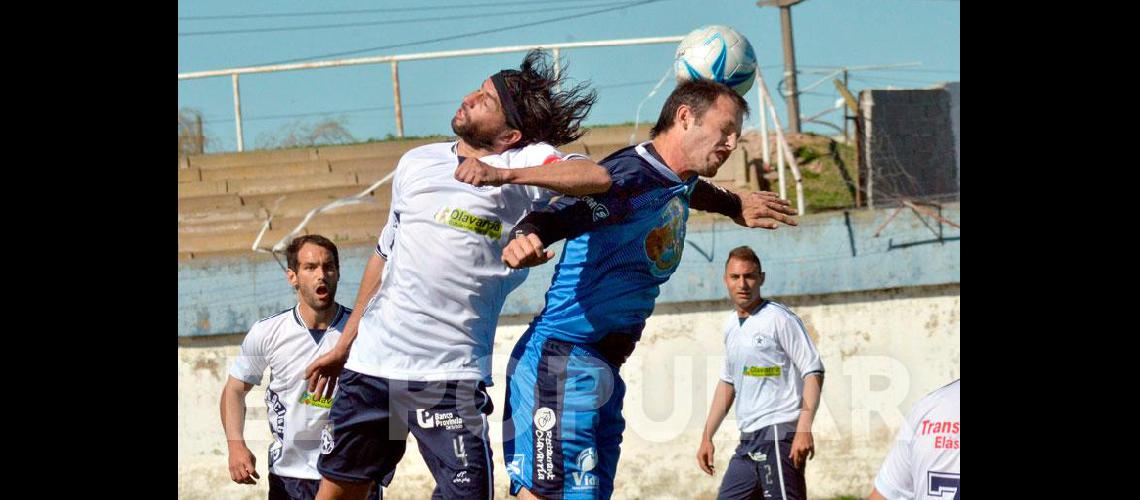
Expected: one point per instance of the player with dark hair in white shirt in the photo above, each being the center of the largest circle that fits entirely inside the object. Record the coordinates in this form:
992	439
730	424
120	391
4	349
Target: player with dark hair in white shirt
286	343
415	355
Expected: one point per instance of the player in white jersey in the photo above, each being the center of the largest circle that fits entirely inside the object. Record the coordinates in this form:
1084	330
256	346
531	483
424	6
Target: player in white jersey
416	351
286	343
773	372
926	460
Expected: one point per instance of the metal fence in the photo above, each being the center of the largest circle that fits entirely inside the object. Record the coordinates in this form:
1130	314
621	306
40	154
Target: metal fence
394	61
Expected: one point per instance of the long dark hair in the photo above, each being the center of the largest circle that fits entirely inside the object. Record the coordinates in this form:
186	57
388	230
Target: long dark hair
549	116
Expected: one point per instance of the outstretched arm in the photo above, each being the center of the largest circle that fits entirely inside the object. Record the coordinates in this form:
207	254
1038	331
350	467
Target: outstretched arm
576	177
761	209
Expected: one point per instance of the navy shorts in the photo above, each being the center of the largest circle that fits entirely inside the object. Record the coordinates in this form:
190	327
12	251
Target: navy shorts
760	467
291	488
370	420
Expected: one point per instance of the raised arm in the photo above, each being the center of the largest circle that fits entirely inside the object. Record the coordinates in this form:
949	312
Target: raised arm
575	177
322	373
761	209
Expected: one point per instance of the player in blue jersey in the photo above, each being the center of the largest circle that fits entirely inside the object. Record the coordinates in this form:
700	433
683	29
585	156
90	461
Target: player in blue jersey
563	424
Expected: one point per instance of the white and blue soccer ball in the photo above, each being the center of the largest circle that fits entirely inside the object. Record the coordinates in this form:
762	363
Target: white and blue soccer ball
716	53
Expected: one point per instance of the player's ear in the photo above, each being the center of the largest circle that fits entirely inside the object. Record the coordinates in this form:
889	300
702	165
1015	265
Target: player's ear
684	116
292	277
761	282
509	137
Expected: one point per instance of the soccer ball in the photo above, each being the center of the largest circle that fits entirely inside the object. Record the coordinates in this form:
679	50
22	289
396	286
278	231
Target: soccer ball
716	53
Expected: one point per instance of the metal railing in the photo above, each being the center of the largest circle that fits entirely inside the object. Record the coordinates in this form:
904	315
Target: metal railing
783	152
394	60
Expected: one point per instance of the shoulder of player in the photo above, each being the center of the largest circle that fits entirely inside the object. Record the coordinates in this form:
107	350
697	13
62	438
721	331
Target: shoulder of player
273	319
284	320
341	317
629	171
428	150
775	318
778	310
623	152
532	155
731	320
264	328
537	148
948	390
622	159
431	152
931	403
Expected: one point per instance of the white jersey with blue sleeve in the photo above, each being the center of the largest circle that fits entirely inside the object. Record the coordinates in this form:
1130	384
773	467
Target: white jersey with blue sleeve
286	346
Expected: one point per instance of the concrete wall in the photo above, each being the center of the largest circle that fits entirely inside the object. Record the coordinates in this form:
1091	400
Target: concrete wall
833	252
912	143
882	349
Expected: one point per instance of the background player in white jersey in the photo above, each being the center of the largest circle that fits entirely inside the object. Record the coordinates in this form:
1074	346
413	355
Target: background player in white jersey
926	460
431	294
773	372
286	343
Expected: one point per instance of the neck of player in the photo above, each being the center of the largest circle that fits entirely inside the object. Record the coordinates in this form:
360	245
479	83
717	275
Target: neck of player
467	151
751	306
317	320
670	151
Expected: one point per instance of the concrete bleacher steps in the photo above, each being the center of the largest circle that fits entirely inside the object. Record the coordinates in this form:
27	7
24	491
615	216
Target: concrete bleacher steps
365	164
292	183
224	160
203	203
299	203
224	199
389	148
267	170
355	224
229	224
189	175
201	188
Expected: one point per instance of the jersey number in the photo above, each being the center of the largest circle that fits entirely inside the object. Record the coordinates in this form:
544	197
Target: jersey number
941	483
460	452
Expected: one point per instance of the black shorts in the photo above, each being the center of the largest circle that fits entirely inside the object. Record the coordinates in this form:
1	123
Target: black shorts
760	467
291	488
371	418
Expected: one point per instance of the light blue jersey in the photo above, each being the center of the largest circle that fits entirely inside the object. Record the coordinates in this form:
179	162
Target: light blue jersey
562	429
610	276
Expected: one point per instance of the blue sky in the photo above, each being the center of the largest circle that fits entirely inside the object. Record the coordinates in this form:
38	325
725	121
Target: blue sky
828	33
